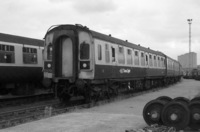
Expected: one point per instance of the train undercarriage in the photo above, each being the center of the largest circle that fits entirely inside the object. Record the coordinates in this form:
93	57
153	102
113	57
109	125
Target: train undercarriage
94	90
9	90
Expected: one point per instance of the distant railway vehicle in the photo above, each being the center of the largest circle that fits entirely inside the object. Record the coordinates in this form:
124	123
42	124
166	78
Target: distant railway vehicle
193	74
84	62
197	75
21	64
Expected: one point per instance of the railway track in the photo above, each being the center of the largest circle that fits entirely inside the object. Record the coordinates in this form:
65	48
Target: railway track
22	100
19	116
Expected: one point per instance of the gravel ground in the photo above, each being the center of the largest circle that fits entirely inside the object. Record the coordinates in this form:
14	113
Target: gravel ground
113	117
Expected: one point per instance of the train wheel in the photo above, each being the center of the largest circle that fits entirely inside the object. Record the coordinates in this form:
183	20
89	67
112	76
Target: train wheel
146	84
114	88
64	96
108	94
164	98
152	112
176	114
138	85
194	107
182	99
196	99
98	96
72	90
67	93
87	95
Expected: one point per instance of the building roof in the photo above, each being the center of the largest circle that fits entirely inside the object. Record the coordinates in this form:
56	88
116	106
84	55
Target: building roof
20	40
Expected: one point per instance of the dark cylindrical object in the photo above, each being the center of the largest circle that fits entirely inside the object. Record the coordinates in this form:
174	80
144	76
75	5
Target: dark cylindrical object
164	98
176	114
194	107
196	99
182	100
152	112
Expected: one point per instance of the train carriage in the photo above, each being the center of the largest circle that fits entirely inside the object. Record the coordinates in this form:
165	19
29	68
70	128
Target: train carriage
21	63
77	58
122	59
173	69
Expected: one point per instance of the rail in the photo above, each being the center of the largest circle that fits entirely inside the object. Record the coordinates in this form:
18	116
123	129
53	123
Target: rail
20	116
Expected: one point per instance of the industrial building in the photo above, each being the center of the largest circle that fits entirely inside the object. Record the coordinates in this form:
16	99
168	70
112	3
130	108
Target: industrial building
188	61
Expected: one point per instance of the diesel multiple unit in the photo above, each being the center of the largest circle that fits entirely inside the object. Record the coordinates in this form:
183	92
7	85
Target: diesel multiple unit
81	61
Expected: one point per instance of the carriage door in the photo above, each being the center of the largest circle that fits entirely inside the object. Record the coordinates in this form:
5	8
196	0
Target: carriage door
67	57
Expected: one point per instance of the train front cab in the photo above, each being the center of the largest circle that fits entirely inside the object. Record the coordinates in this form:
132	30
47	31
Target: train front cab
71	58
59	55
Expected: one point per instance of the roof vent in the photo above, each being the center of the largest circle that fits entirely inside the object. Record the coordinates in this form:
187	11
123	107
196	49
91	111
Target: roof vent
110	35
79	25
86	27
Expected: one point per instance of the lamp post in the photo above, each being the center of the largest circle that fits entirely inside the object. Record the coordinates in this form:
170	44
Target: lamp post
189	22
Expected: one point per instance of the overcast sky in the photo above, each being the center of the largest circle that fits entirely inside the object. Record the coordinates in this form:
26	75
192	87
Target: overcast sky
159	24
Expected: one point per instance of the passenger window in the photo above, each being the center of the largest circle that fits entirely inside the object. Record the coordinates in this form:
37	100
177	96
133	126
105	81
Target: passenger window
121	57
155	61
142	59
129	57
162	62
107	53
7	54
99	52
49	52
147	60
158	61
168	63
136	58
113	54
29	55
150	60
84	51
142	55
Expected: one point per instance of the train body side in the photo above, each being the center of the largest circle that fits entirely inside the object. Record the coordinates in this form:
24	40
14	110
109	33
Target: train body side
173	70
99	56
21	61
134	61
81	61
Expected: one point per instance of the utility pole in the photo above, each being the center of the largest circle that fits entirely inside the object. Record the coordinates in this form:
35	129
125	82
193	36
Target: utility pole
189	22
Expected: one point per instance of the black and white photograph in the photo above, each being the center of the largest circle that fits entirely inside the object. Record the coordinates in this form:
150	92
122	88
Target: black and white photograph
100	66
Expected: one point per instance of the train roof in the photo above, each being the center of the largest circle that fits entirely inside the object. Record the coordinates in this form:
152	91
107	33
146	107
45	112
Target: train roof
169	57
108	38
20	40
124	43
105	37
